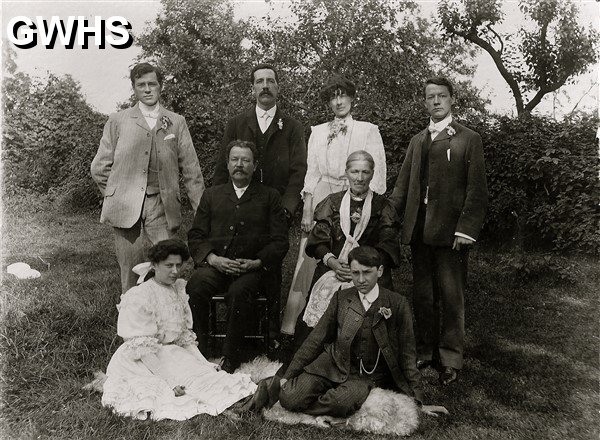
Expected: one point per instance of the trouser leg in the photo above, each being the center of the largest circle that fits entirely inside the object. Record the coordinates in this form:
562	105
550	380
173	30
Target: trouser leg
317	396
451	274
425	301
272	289
202	286
240	308
130	251
132	243
154	221
302	391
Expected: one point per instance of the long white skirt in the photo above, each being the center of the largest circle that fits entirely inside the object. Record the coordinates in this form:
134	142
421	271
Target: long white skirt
132	390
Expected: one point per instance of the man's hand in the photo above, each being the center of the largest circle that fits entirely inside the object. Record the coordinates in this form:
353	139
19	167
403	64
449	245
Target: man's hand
461	242
434	410
248	265
342	270
179	390
224	265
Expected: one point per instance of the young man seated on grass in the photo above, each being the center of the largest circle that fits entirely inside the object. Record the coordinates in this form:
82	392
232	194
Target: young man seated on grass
364	340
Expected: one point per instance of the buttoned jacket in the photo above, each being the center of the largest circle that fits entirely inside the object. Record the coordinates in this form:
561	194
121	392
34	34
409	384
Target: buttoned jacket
457	195
253	226
120	167
327	350
282	163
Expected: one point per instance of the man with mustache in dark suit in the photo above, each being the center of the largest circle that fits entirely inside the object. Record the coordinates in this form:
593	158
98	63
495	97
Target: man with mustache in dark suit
238	235
279	140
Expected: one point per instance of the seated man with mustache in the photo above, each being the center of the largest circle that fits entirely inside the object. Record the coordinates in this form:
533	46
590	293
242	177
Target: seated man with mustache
238	234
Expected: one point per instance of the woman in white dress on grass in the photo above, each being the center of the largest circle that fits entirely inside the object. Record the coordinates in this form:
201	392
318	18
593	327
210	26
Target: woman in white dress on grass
329	146
158	371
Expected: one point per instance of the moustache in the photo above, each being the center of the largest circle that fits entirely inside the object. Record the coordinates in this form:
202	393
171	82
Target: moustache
266	92
239	170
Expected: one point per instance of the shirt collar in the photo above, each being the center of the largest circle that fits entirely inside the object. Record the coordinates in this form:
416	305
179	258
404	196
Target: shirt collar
271	112
439	126
240	191
372	295
148	112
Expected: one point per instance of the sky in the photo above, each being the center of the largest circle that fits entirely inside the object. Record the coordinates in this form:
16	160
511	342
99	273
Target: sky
103	73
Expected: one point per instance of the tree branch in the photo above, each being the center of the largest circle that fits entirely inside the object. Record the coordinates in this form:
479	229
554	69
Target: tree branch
491	29
508	77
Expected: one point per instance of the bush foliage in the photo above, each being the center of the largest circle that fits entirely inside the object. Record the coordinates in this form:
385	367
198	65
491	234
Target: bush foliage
542	179
50	135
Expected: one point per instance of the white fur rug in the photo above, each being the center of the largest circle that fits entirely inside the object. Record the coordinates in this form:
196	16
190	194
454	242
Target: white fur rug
384	412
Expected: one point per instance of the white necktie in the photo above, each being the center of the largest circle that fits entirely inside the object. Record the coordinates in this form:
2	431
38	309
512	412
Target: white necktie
265	121
366	303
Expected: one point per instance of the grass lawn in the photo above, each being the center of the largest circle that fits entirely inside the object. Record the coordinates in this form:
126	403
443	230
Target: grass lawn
531	368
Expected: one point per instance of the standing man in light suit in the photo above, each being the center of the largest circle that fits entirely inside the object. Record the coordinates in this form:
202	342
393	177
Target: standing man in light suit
141	154
441	193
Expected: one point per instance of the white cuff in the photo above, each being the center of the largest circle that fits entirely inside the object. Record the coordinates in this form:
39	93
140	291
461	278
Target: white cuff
326	258
460	234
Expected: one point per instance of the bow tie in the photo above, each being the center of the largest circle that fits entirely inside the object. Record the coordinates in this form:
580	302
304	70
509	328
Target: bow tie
265	116
433	128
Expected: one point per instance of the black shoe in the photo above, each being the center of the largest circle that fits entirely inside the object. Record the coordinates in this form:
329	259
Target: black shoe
229	365
448	375
274	388
425	363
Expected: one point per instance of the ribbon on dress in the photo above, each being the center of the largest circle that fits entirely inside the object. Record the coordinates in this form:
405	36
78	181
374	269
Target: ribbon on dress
142	270
328	284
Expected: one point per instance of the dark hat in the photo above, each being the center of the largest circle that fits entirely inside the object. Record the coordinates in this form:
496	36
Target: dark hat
335	83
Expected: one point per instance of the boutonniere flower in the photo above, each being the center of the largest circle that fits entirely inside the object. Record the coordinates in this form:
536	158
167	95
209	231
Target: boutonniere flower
166	122
451	131
280	124
385	312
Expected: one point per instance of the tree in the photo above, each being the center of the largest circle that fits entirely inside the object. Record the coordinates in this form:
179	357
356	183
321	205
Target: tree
532	62
383	46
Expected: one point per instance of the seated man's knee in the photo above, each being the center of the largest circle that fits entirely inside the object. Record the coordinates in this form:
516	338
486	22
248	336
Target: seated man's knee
290	400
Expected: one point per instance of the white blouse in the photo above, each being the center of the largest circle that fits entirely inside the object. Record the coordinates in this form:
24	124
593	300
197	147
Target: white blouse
328	162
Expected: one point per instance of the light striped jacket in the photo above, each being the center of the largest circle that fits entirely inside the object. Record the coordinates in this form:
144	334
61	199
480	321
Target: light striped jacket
121	165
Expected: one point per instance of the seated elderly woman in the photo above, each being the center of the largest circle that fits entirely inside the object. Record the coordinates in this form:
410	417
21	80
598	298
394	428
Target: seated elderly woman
158	371
345	220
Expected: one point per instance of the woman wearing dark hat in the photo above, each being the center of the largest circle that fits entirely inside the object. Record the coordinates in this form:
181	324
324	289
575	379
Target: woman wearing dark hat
329	146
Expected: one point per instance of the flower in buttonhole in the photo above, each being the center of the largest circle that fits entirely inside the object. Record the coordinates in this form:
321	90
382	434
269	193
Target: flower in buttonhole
385	312
166	122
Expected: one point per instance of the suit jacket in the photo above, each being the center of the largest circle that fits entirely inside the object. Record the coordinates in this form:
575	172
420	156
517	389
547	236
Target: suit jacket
458	196
326	351
121	165
282	163
251	227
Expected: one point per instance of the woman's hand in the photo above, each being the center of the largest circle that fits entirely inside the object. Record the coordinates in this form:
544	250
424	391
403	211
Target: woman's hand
307	221
307	218
342	270
179	390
